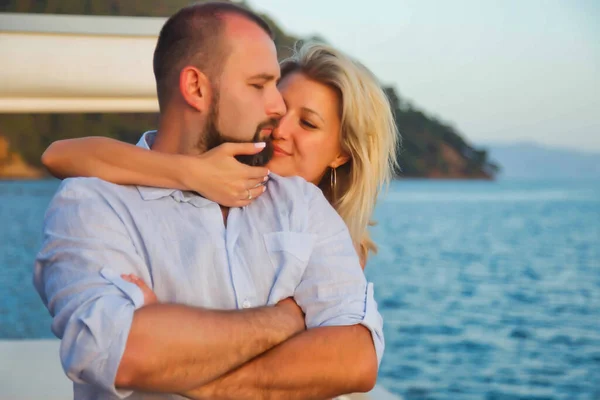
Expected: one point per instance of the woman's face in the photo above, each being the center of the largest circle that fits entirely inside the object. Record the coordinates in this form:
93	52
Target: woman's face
307	140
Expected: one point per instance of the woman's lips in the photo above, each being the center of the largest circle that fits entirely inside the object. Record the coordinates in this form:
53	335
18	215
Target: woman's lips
279	151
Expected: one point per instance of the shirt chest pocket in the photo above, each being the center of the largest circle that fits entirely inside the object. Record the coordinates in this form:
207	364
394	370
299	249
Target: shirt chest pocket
289	253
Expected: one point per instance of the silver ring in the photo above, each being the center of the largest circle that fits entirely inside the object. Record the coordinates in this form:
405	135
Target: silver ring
249	194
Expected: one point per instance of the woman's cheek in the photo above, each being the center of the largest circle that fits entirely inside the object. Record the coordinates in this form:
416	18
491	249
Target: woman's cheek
311	169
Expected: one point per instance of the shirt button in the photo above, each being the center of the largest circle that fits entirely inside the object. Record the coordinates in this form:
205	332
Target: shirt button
246	304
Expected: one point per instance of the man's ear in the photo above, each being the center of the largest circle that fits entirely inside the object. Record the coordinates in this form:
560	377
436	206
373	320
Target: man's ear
195	88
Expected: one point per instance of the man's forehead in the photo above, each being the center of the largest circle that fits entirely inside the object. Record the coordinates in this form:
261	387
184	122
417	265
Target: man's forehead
252	50
241	26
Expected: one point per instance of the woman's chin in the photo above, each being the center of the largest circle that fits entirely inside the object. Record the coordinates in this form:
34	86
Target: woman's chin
279	166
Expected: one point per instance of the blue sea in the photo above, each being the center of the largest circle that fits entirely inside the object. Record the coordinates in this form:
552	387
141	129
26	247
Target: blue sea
489	290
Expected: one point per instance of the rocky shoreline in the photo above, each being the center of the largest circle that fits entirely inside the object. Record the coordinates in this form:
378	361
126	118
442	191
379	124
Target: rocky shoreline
12	165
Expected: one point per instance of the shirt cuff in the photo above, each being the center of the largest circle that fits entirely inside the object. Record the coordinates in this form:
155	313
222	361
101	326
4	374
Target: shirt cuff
93	345
374	322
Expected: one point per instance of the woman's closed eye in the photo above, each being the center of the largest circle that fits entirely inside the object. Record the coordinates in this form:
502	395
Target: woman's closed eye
257	86
307	124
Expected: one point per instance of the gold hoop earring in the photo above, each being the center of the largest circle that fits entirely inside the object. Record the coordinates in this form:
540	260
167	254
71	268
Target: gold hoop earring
333	176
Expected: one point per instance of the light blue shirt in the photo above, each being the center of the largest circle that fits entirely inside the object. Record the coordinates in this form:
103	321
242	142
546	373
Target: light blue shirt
288	242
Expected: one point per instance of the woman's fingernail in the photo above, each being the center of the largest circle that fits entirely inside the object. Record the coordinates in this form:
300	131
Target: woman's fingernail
264	188
260	145
266	178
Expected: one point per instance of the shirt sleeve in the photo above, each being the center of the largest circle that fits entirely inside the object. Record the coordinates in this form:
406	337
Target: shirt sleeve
334	290
85	249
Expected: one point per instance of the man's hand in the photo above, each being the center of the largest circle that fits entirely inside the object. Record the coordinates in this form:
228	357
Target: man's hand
149	295
295	313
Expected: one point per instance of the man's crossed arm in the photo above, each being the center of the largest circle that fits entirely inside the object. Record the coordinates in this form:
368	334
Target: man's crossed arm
320	363
172	348
307	366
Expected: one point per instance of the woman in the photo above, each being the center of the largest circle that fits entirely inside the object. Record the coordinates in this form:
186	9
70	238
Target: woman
333	103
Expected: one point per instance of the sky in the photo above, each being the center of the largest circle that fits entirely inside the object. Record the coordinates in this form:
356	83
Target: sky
498	71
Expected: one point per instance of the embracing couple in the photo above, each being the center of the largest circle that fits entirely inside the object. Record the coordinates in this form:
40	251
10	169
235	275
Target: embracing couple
222	257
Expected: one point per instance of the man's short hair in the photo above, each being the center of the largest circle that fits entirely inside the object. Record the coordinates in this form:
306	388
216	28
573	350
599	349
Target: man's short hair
194	36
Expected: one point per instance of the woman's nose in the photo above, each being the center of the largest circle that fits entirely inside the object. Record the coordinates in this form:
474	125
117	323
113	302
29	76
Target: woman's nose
283	129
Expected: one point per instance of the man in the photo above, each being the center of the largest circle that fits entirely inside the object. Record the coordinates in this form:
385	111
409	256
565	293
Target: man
226	327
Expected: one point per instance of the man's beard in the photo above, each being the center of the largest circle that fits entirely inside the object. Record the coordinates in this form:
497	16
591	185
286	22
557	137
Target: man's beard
213	138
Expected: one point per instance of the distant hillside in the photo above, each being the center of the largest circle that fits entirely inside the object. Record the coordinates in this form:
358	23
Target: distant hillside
433	149
12	165
533	161
430	148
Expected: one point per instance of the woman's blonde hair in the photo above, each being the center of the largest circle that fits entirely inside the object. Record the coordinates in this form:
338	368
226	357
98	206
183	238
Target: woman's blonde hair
368	135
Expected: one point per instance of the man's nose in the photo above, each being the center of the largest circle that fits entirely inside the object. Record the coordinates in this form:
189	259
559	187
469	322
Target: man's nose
276	106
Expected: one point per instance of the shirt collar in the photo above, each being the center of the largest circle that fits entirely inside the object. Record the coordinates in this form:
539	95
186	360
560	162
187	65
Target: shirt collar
154	193
147	140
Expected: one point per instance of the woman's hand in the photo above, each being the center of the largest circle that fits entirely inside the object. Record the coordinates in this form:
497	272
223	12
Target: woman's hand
149	295
219	177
